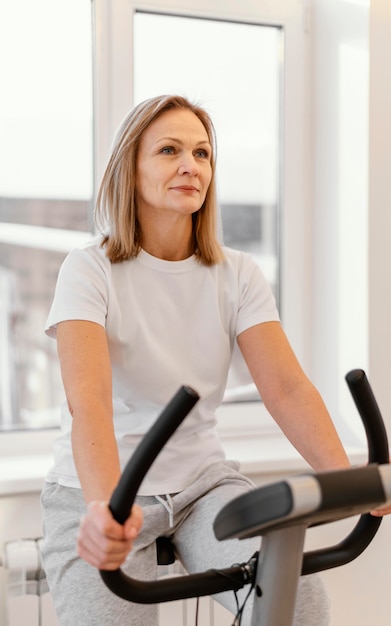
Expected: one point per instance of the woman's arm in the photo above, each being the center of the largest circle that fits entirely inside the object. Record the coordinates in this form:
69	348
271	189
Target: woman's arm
290	397
86	372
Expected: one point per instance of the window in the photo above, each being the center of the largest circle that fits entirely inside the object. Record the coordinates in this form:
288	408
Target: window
322	183
246	115
118	87
45	189
41	221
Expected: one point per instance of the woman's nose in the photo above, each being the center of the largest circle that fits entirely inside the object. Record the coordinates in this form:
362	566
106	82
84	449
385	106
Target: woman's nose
188	166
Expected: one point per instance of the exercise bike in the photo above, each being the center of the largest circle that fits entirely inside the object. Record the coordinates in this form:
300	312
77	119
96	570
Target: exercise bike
280	513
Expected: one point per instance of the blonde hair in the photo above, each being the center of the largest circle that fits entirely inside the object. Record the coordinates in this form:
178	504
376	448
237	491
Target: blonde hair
116	207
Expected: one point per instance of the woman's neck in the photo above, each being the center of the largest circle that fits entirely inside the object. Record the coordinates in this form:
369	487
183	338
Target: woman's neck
169	252
172	240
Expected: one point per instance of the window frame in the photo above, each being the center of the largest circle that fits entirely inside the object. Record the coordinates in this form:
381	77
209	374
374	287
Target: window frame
113	55
112	22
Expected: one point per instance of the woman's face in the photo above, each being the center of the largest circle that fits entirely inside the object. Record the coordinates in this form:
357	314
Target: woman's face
174	164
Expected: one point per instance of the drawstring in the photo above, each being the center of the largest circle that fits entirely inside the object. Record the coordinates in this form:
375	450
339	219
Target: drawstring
169	506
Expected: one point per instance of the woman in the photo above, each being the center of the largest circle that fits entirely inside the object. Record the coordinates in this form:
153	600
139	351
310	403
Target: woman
156	303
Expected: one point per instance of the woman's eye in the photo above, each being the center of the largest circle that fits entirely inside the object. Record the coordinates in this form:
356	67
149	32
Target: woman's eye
167	150
203	154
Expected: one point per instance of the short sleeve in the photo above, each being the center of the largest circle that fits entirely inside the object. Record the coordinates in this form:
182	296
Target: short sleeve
82	289
256	300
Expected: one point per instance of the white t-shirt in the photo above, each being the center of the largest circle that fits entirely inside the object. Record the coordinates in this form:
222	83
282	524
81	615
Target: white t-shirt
168	324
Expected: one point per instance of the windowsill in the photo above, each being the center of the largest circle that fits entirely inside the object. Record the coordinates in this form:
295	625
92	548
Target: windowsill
260	455
23	474
247	431
25	458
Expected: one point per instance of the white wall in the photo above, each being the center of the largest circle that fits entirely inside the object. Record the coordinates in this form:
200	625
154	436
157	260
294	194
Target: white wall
380	203
359	591
340	104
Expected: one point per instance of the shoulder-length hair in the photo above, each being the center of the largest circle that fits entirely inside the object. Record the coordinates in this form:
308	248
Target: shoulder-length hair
116	206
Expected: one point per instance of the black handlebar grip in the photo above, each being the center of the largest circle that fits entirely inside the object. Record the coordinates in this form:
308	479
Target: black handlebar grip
148	449
367	407
367	525
164	590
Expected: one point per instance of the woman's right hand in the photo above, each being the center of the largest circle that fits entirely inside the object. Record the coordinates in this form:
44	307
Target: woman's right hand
103	542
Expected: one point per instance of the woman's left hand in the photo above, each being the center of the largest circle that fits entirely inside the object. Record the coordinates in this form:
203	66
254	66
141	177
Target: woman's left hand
382	510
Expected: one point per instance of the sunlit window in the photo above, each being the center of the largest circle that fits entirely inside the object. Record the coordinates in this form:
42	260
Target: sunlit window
45	189
233	69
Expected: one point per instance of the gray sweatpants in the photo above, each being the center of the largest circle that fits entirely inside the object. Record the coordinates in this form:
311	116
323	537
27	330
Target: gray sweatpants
81	597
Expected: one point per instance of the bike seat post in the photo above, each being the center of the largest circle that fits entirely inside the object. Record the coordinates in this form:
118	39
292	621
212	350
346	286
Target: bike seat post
277	577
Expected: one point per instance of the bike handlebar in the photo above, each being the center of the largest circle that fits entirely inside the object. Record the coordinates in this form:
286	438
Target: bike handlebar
148	449
236	577
367	525
121	502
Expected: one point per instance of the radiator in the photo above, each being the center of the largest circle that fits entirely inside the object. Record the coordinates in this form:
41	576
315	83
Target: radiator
29	603
27	598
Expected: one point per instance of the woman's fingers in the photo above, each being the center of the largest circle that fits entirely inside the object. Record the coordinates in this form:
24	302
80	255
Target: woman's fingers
381	511
103	542
134	522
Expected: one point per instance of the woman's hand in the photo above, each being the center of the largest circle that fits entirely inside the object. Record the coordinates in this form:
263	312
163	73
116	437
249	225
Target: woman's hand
382	511
103	542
